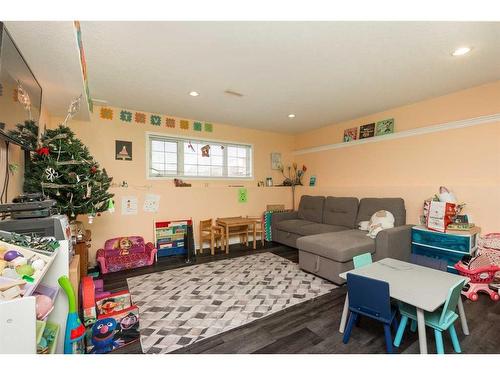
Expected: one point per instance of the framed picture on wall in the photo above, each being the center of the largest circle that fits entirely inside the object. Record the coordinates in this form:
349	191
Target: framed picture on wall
385	127
367	131
275	160
123	150
350	134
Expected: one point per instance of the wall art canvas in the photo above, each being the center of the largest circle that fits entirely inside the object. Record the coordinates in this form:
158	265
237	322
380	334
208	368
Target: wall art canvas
385	127
350	134
275	160
367	131
123	150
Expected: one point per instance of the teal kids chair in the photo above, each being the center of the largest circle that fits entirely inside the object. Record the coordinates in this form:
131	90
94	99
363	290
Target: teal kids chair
362	260
439	320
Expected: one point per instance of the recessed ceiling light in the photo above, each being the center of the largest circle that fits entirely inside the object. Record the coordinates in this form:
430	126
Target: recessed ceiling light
461	51
194	93
291	115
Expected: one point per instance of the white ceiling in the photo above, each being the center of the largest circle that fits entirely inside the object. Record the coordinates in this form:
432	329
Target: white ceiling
324	72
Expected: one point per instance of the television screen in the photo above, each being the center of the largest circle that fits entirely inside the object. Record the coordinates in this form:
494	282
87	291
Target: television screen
20	93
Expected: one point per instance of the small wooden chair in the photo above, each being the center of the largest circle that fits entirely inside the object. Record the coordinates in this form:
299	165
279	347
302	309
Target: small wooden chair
212	233
259	229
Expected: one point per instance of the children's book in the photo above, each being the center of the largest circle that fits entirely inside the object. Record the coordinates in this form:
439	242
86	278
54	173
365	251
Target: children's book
113	331
114	302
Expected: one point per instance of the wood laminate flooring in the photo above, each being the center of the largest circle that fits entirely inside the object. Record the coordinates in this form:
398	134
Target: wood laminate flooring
312	326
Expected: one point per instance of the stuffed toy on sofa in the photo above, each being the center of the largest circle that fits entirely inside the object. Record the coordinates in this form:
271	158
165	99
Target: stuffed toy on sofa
379	221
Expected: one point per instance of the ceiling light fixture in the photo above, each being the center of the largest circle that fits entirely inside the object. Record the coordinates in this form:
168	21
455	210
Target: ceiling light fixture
194	93
291	115
461	51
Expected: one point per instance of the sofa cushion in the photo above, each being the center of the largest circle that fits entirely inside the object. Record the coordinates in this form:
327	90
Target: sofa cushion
368	206
317	228
292	226
338	246
340	211
311	208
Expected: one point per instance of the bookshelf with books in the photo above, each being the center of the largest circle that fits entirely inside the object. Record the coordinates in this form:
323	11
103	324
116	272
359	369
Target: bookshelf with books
170	237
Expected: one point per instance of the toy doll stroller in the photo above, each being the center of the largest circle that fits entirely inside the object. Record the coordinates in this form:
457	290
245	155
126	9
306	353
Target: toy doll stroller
481	269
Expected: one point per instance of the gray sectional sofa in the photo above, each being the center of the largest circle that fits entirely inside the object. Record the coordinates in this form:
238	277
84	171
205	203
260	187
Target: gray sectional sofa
324	231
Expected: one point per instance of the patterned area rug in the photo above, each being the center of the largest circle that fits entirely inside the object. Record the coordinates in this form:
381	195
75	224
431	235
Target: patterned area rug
185	305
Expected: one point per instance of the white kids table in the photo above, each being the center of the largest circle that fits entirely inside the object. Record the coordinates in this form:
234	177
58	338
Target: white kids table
422	287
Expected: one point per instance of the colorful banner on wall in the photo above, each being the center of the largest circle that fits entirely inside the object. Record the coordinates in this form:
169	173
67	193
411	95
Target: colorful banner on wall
83	65
129	116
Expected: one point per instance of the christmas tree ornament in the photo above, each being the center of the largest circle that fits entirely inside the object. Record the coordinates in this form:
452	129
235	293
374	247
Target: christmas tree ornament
111	205
51	174
91	218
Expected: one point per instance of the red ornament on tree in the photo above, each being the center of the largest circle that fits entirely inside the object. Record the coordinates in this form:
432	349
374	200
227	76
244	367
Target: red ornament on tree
93	169
43	151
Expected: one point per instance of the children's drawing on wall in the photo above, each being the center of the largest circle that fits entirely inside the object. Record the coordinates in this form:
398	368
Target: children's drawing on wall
151	203
129	205
123	150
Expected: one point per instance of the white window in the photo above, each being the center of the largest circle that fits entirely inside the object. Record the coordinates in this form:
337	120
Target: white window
183	157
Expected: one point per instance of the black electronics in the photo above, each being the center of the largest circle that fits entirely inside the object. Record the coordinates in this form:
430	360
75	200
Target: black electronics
45	206
31	197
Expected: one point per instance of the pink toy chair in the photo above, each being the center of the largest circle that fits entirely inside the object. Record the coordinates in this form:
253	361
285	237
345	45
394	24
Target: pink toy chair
124	253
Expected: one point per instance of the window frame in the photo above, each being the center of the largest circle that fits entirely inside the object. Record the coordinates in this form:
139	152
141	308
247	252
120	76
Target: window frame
180	157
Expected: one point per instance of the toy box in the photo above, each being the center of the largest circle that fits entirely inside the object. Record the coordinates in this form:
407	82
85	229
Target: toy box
113	331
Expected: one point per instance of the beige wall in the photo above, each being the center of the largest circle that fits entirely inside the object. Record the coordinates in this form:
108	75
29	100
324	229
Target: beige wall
466	160
205	199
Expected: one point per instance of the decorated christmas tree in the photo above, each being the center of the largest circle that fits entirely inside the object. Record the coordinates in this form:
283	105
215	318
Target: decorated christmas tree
62	168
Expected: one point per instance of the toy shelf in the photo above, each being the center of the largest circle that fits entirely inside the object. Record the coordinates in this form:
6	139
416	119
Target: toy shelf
29	253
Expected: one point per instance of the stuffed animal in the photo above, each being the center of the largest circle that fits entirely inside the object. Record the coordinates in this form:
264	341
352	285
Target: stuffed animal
446	195
103	336
380	220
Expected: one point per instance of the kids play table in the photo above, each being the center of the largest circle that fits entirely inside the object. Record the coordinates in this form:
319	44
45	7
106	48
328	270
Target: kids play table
423	287
230	222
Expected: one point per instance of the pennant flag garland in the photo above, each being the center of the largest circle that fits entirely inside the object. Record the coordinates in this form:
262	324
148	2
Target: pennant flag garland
155	120
170	122
106	113
197	126
140	118
126	116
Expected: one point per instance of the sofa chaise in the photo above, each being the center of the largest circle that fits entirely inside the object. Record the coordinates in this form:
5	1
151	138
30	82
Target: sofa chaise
324	229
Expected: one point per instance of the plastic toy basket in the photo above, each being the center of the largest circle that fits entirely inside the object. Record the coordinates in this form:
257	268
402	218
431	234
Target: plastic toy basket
481	271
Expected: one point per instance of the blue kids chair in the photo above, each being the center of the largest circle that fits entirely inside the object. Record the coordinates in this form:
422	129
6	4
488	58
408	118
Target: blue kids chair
440	320
362	260
371	298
